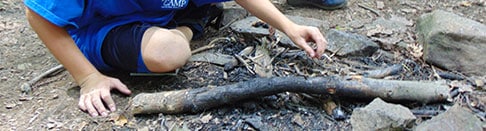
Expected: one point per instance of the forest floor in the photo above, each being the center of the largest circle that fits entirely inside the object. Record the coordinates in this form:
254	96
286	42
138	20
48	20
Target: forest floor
52	102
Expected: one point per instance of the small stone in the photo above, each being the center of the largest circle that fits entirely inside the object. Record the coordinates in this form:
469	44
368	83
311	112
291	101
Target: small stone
10	106
255	122
23	66
50	125
55	96
479	82
380	4
205	119
4	78
25	98
409	11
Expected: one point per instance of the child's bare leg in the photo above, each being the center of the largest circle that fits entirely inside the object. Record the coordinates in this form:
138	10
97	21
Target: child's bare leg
165	50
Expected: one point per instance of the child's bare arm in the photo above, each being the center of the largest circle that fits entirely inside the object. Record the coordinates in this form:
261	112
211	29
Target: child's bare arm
300	35
95	87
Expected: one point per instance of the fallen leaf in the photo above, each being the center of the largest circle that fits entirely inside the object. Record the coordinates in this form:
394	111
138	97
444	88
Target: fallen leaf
416	50
298	120
329	106
119	120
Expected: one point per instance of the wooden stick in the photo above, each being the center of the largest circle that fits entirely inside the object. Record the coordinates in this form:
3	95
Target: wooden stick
200	99
27	87
370	9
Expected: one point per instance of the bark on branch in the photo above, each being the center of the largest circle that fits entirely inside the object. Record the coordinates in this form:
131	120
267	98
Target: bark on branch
200	99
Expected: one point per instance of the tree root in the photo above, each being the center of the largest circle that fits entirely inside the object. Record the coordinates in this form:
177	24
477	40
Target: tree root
200	99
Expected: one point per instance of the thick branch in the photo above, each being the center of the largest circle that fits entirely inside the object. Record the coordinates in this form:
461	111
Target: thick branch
200	99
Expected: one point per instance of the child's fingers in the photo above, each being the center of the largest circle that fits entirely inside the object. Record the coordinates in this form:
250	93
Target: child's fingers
106	96
81	104
320	41
89	106
98	104
303	44
121	87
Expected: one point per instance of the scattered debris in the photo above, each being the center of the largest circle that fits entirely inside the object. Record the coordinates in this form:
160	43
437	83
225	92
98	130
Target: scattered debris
118	119
206	118
255	122
263	62
215	58
370	9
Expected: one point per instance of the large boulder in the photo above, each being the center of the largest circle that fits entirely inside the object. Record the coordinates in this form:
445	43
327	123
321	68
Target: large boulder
452	42
379	115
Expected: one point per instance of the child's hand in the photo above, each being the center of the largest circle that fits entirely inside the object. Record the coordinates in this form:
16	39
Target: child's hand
301	35
95	91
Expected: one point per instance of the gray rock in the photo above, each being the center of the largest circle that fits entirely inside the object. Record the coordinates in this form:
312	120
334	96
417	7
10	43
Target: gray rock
456	118
395	24
388	32
379	115
233	12
346	44
452	42
245	27
255	122
214	58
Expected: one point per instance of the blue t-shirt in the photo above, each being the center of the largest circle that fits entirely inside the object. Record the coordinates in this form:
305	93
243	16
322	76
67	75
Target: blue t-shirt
88	21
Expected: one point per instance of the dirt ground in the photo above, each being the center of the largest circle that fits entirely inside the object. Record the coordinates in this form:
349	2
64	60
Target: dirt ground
52	103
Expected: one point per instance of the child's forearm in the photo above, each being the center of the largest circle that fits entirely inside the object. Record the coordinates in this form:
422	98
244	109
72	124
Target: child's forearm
62	46
267	12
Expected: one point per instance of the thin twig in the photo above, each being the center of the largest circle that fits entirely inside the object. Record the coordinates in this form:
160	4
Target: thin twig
239	58
211	44
327	57
370	9
27	87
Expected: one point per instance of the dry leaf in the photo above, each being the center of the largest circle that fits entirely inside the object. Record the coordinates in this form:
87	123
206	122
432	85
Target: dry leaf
119	120
416	50
329	106
206	118
298	120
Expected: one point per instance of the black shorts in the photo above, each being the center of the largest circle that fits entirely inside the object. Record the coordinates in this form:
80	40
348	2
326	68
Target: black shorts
121	47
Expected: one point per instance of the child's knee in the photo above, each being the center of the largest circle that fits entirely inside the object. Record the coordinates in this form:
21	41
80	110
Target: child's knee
164	64
165	51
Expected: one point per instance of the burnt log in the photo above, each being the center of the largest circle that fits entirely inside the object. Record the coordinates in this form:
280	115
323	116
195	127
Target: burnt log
200	99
